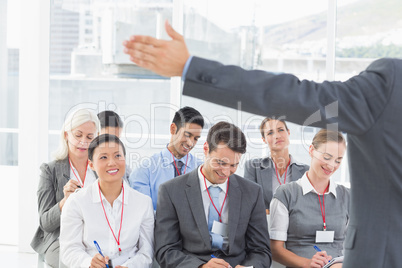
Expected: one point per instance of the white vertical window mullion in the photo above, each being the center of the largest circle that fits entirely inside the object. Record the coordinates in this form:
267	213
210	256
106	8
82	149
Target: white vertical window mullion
33	112
175	82
331	35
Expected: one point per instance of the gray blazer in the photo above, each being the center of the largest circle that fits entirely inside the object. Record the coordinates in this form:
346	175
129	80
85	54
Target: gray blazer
367	106
50	191
260	171
181	231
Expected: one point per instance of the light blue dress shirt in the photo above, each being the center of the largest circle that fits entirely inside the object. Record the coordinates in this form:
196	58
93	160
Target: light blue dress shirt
151	174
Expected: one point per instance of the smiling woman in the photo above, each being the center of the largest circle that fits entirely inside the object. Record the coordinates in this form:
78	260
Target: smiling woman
119	218
300	221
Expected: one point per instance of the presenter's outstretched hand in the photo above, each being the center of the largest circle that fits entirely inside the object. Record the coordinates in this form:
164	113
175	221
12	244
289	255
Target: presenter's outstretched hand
164	57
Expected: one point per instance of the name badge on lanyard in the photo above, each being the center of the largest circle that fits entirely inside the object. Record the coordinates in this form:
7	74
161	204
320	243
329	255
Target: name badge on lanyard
324	236
220	228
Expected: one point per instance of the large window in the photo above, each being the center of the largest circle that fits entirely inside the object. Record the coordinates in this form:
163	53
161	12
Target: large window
87	67
259	35
9	75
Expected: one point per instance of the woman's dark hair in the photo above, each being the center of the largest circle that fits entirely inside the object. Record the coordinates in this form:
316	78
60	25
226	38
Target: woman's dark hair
99	140
229	134
110	119
267	119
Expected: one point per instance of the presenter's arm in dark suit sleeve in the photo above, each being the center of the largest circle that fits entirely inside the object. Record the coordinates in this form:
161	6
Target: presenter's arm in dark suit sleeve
48	206
168	244
257	237
250	171
355	104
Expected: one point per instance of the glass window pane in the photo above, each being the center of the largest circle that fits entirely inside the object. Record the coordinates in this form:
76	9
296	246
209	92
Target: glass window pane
9	75
366	30
9	149
259	35
88	69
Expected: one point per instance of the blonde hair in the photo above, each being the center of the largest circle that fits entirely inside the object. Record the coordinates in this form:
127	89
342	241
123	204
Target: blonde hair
324	136
74	120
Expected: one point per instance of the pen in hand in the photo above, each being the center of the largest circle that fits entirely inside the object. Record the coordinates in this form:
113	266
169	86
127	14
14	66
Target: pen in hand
100	251
319	250
213	256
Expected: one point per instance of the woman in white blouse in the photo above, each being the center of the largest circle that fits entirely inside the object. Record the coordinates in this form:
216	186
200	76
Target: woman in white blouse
119	218
310	215
61	177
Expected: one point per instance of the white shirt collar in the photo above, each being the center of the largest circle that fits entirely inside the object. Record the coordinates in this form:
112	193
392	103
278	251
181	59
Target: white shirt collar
307	187
223	186
95	193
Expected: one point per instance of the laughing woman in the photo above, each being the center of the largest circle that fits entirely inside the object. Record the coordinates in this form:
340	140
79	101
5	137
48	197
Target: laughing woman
313	211
62	177
110	212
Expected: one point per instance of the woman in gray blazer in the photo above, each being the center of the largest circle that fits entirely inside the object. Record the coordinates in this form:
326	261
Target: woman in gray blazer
278	168
62	177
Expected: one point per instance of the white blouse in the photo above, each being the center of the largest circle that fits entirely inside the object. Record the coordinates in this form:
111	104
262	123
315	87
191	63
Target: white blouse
279	220
83	221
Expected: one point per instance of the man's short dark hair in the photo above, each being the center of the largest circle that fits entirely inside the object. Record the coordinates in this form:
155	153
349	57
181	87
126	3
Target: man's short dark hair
229	134
187	115
99	140
110	119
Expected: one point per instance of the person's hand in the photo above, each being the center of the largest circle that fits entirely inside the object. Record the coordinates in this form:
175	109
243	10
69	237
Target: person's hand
98	261
318	260
68	189
239	266
164	57
118	266
216	263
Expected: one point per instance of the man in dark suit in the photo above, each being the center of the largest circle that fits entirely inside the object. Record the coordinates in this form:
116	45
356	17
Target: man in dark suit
212	211
367	107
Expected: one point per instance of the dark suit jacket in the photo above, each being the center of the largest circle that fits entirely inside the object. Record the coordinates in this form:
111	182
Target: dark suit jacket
367	106
261	170
181	231
50	191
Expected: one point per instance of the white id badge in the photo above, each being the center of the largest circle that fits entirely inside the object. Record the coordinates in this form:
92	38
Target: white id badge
220	228
324	236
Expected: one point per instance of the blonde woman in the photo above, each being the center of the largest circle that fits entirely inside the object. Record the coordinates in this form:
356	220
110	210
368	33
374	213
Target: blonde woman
61	177
310	215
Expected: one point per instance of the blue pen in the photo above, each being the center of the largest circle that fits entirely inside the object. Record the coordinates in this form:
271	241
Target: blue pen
100	251
318	250
213	256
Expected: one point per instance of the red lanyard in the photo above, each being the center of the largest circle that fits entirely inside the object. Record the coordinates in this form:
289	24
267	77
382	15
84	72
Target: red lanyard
82	184
286	172
227	188
121	220
174	162
322	207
